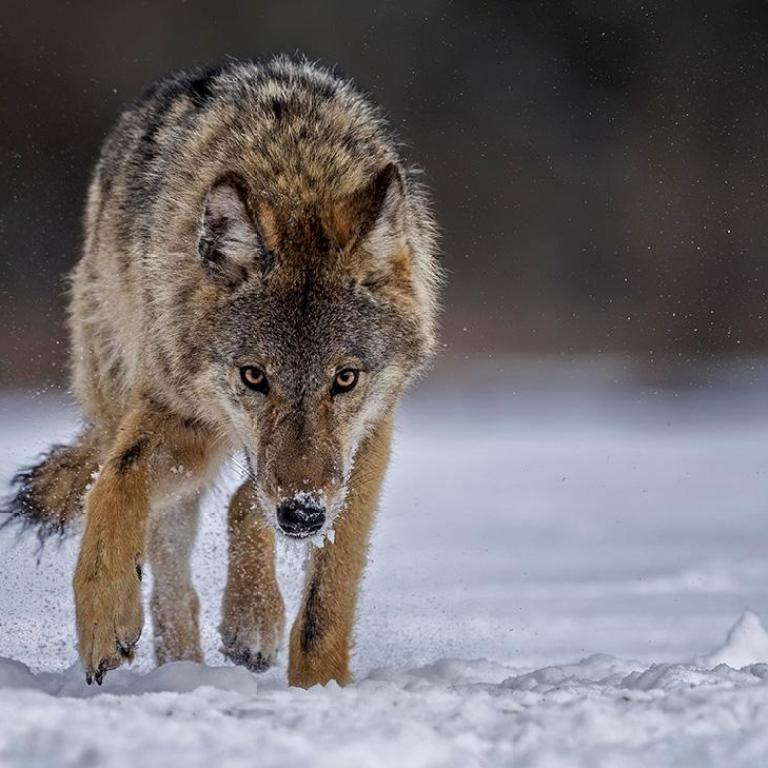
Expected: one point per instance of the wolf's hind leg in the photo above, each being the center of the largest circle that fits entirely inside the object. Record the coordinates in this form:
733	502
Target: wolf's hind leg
174	603
322	633
253	614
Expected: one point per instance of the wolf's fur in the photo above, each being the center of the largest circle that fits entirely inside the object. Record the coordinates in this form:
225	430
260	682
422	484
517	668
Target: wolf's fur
49	493
254	214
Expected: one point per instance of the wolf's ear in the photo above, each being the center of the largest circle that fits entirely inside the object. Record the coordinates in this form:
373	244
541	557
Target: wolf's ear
229	243
376	221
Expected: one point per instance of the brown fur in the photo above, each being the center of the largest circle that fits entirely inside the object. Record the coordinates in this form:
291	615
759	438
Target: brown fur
50	493
321	634
252	216
148	444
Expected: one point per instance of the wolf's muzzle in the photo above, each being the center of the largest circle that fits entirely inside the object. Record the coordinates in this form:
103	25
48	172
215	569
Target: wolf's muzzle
300	517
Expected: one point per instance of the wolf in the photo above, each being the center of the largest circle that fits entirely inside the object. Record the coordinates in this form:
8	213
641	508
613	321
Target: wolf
259	278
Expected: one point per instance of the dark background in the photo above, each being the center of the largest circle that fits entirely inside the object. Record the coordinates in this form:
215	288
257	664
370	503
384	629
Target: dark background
599	168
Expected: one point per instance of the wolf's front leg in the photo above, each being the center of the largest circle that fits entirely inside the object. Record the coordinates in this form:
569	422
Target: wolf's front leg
109	567
322	632
253	613
143	465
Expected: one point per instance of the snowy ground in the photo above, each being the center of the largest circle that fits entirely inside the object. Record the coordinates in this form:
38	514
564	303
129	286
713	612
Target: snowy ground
558	561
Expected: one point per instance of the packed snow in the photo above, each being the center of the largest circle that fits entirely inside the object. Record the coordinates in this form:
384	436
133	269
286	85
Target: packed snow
567	570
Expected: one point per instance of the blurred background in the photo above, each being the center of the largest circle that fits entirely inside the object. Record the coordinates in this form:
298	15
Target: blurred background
599	168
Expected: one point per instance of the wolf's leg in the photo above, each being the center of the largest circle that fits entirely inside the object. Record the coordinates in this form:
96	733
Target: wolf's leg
174	603
321	634
253	614
148	444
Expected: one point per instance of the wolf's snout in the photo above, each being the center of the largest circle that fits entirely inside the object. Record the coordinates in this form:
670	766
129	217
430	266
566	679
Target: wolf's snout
300	517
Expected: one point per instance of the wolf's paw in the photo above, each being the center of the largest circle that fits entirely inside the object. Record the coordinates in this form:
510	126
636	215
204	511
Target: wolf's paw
250	647
109	618
247	657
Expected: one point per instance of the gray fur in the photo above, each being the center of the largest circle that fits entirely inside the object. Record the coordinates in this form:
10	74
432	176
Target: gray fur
255	213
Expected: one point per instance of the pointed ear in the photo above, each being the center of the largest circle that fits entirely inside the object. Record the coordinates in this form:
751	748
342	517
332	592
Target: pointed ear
374	220
229	243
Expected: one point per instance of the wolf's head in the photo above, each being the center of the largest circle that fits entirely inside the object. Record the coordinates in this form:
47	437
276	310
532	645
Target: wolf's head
323	313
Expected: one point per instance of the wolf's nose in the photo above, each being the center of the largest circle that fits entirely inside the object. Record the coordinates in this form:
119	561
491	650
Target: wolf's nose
300	517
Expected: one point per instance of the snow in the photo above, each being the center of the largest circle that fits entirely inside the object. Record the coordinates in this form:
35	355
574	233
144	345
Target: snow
566	571
747	643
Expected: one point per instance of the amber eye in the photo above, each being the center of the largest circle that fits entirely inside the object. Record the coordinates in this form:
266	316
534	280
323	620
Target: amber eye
345	381
254	378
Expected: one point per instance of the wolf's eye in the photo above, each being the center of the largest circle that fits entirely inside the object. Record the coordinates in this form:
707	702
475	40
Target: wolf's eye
345	381
254	378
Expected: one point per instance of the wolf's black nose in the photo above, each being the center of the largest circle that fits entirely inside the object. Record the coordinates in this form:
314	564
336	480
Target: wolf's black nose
300	517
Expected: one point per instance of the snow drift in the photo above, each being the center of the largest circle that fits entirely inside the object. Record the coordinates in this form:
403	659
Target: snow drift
597	711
